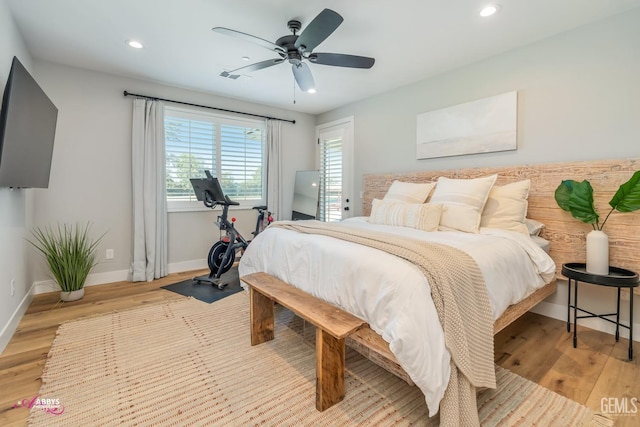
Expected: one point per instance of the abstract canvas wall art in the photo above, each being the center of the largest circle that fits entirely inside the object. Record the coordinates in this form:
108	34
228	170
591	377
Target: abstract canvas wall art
482	126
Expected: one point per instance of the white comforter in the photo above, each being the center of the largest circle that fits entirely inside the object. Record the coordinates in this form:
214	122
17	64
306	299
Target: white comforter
391	293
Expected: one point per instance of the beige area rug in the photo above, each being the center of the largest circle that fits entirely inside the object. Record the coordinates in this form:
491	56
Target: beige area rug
188	363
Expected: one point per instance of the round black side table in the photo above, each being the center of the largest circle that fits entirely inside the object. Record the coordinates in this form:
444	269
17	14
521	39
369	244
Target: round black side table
617	278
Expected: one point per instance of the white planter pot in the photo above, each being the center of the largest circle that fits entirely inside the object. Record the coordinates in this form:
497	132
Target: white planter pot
72	295
597	252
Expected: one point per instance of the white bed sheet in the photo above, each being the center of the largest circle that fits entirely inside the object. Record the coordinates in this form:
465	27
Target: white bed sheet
391	293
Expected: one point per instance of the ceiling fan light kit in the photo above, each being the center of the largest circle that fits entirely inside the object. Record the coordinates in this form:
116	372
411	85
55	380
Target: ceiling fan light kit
296	48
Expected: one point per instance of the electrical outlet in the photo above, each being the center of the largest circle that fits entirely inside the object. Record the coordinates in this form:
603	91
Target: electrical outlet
13	287
109	254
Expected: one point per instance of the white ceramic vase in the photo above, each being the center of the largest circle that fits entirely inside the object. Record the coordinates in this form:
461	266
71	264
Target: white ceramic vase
597	252
72	295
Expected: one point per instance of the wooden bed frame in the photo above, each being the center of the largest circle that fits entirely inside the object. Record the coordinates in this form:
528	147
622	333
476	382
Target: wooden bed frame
371	345
566	234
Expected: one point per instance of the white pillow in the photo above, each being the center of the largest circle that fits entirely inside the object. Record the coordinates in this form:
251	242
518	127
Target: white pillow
422	216
408	192
542	243
506	207
533	227
463	200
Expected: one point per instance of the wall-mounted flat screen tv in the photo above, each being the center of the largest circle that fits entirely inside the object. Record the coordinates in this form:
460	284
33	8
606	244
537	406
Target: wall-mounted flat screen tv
27	130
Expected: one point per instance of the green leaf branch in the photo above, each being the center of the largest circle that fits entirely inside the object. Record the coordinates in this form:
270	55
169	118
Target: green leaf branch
577	198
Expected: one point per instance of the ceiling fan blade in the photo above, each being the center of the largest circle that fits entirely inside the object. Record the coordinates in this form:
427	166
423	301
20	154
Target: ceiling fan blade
303	76
342	60
318	30
251	39
259	65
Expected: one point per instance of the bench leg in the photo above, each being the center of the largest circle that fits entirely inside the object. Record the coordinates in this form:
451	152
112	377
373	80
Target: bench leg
330	362
261	317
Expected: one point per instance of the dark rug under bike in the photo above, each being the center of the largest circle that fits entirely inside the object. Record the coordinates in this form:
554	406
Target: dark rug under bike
207	292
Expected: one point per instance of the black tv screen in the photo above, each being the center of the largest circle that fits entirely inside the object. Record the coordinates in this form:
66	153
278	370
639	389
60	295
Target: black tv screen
27	130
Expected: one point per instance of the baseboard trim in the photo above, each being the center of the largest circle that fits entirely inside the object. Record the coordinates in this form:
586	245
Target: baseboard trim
44	286
559	311
11	326
196	264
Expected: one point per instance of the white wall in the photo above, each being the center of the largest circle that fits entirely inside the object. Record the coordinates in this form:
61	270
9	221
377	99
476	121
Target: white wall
91	175
91	167
578	99
16	210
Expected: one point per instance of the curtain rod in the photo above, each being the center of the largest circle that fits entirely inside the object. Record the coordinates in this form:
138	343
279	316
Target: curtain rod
155	98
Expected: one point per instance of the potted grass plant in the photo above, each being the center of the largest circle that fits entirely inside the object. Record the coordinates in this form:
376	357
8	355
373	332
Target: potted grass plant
577	198
70	254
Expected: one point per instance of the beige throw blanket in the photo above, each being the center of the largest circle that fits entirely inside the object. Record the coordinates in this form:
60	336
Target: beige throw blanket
460	297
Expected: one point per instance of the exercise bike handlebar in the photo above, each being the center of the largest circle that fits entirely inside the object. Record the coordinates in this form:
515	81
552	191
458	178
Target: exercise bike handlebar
209	191
210	202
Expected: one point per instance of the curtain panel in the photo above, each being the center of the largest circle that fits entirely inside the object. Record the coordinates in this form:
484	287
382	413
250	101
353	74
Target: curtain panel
274	168
149	191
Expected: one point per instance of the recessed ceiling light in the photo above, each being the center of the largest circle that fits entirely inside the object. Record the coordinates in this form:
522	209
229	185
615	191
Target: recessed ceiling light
312	90
245	58
489	10
134	44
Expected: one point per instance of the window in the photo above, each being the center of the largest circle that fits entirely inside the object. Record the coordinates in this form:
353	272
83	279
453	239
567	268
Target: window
231	148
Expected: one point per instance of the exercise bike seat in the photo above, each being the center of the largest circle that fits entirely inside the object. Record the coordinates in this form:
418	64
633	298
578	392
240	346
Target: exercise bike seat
260	208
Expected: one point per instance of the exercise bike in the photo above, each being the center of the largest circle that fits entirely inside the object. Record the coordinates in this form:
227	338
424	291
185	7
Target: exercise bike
223	252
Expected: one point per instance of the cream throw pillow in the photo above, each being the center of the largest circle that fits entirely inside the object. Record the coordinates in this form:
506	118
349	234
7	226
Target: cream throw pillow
422	216
408	192
463	201
506	207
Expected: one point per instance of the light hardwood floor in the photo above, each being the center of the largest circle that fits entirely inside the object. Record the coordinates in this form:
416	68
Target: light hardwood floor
535	347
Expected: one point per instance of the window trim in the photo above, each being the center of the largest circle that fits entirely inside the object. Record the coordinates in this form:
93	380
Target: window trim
218	119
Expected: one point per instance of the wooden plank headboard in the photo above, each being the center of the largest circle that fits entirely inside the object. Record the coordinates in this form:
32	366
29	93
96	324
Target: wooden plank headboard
567	234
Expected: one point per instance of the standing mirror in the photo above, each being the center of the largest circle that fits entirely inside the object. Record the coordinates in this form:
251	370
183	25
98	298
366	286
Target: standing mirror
305	195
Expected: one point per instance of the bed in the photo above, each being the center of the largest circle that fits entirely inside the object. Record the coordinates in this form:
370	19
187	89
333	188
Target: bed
393	295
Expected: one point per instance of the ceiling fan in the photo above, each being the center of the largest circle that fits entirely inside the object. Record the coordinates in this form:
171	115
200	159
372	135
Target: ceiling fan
295	48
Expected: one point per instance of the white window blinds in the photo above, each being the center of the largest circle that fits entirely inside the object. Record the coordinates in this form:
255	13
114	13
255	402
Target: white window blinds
232	149
331	179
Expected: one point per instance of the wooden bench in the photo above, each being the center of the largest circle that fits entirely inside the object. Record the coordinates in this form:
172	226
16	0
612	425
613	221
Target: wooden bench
341	328
332	324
